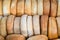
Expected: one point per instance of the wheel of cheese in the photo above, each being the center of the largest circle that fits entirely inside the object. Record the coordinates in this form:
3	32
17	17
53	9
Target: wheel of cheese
44	24
6	7
46	6
10	22
34	7
36	24
40	7
29	26
28	7
53	8
3	30
13	7
24	25
1	8
38	37
58	23
58	12
52	28
20	7
15	37
17	25
1	38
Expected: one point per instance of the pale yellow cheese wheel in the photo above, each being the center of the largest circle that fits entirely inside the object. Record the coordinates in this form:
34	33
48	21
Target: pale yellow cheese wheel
1	7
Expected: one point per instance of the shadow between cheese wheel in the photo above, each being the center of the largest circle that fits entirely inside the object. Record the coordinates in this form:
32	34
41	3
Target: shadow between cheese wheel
6	7
44	24
53	8
3	30
13	7
24	25
52	28
15	37
38	37
10	22
28	7
20	7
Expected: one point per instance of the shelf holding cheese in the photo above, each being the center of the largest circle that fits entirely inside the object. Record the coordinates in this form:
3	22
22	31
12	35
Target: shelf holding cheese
38	37
52	28
10	22
44	24
20	7
6	7
15	37
17	25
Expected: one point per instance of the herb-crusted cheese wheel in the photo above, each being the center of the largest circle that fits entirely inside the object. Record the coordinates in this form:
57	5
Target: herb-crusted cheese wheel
1	38
3	26
58	23
20	7
10	21
17	25
53	8
34	7
28	7
24	25
1	7
36	24
15	37
6	7
40	7
13	7
44	24
58	12
46	6
29	26
52	28
38	37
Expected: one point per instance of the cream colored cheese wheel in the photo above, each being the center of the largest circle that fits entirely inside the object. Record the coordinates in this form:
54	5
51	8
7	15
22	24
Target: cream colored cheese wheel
20	7
58	24
6	7
1	38
17	25
24	25
34	7
10	22
53	8
58	12
36	24
3	30
44	24
1	7
13	7
46	6
29	26
15	37
52	28
40	7
38	37
28	7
